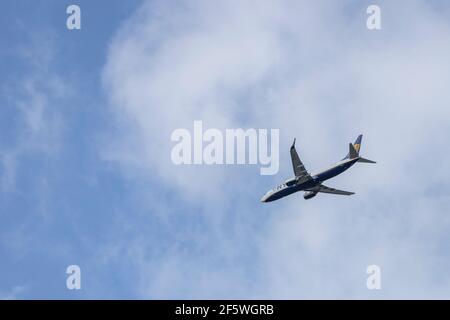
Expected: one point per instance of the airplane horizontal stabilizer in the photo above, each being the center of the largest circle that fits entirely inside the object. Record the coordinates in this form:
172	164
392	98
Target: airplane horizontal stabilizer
366	160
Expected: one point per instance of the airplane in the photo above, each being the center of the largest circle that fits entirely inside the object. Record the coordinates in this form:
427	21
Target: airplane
311	184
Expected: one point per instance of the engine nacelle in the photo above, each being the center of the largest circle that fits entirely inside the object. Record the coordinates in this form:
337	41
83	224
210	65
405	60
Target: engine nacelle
309	195
291	182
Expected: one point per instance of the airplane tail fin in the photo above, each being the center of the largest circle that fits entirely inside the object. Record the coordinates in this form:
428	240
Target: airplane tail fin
354	151
357	144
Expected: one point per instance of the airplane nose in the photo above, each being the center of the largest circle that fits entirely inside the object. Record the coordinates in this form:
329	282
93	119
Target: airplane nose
264	198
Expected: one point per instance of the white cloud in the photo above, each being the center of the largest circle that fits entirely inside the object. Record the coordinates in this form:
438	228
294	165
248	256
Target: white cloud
316	72
13	294
35	117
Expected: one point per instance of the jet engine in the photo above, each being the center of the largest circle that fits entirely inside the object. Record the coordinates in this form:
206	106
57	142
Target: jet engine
309	194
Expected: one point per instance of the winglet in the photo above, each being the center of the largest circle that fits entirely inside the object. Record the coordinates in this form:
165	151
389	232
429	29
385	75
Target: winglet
293	144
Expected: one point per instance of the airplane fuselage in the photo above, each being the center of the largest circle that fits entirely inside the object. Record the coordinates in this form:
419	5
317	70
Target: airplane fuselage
292	186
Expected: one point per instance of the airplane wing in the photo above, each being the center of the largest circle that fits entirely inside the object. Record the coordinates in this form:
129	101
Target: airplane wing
325	189
299	168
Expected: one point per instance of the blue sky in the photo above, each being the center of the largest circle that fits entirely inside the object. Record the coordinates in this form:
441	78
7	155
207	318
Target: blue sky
58	180
85	169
